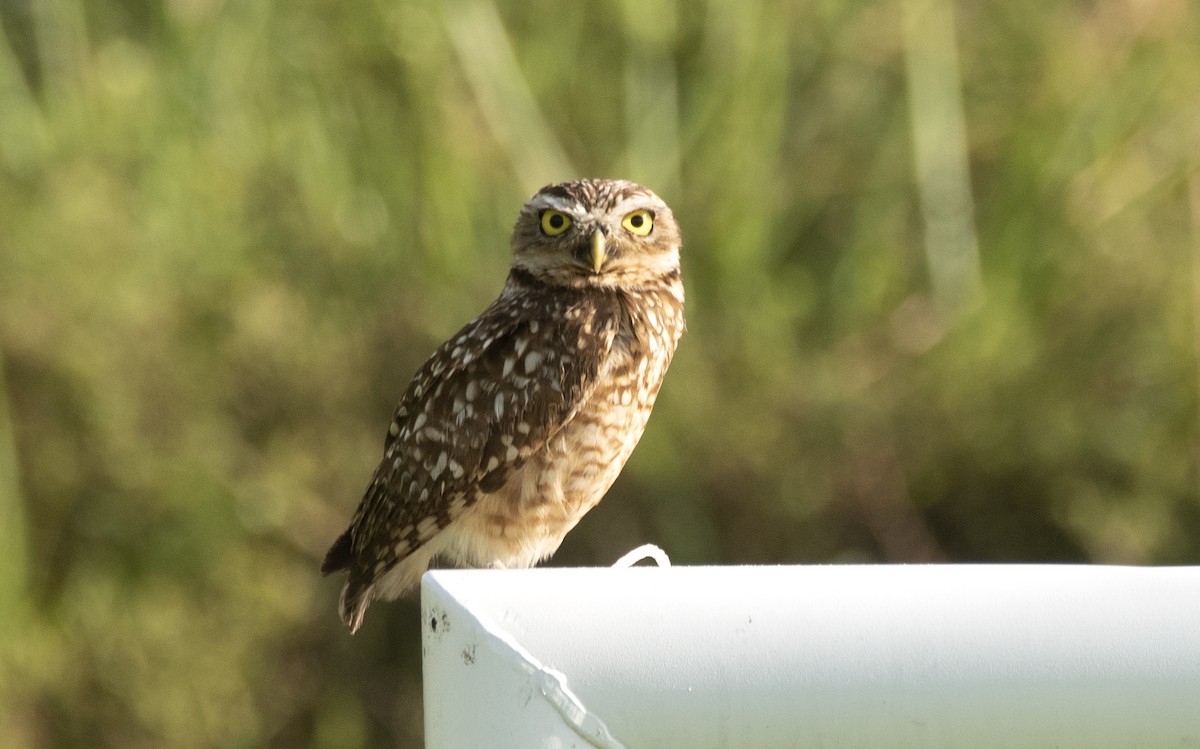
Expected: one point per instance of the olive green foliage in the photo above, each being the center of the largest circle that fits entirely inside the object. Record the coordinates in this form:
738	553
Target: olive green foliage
230	230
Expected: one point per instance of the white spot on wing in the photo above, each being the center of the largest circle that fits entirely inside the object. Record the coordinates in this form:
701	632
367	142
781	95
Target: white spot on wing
427	528
532	360
439	466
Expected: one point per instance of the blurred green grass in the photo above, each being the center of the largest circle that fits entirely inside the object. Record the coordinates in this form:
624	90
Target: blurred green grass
231	230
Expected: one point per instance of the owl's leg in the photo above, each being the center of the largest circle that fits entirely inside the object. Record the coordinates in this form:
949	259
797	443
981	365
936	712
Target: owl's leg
497	565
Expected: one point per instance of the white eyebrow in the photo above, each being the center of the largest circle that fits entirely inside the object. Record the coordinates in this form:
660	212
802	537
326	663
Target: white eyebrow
558	204
639	201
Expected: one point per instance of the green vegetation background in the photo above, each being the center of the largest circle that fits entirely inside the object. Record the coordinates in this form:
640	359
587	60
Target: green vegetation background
230	230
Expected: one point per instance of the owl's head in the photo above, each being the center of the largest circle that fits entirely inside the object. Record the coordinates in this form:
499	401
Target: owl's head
596	232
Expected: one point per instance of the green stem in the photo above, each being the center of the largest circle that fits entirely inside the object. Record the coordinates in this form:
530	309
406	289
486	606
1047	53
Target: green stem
13	536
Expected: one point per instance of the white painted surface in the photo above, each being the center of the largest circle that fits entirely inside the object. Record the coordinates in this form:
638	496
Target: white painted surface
831	656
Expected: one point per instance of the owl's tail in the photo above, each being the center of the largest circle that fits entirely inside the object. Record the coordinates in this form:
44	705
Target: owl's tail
352	606
362	587
357	592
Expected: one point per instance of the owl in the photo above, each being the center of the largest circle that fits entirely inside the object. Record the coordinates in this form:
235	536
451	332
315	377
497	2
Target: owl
520	423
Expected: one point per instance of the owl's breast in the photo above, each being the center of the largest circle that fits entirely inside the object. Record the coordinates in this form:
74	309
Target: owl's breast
526	519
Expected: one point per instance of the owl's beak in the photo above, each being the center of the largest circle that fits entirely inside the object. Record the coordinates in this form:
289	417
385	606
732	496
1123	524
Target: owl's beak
599	251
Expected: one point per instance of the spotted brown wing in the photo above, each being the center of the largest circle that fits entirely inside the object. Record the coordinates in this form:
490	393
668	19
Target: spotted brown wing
488	399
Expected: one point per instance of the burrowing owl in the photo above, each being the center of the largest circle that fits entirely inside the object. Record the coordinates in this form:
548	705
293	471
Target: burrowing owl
520	423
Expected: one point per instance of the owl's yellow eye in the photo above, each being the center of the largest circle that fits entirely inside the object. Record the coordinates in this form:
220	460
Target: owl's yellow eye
638	222
554	222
